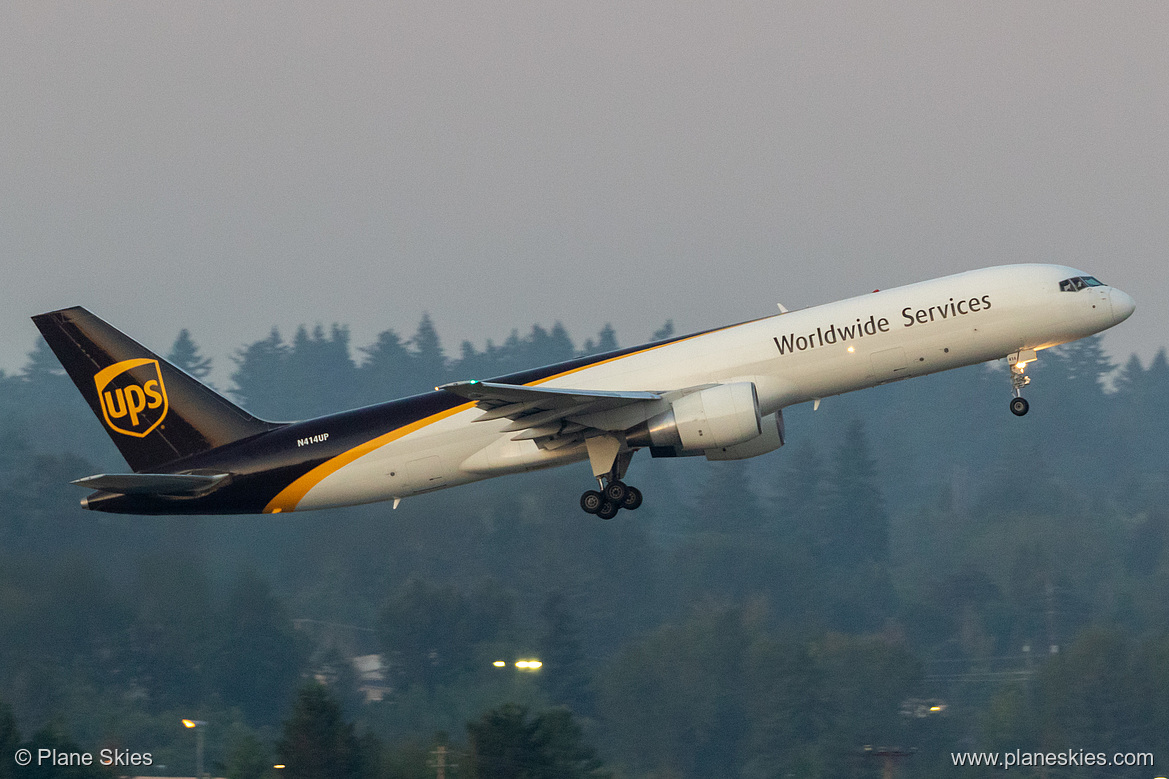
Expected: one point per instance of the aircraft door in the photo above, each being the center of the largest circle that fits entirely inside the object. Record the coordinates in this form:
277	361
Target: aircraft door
889	364
425	473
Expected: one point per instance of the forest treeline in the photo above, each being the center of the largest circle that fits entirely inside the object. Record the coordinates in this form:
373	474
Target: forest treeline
916	569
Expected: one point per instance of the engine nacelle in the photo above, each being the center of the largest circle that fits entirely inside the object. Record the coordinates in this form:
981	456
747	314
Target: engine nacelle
772	439
713	418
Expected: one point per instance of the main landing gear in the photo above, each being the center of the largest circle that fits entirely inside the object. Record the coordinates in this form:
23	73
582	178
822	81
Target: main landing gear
1018	362
610	460
615	496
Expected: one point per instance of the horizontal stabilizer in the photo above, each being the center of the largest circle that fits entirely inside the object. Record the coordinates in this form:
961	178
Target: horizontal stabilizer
152	483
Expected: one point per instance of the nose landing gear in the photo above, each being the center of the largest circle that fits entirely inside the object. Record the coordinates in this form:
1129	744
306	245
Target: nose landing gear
1018	362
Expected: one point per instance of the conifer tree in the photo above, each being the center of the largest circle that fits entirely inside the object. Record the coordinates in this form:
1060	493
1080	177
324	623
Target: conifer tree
386	372
259	377
607	339
561	346
42	365
428	353
728	503
259	657
858	520
185	354
565	678
506	744
1157	379
318	743
319	374
663	332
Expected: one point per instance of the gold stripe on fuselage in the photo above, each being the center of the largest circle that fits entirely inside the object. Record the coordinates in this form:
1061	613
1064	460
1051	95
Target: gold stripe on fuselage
289	497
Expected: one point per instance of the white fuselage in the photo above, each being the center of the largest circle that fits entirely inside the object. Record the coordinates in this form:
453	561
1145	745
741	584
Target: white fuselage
791	358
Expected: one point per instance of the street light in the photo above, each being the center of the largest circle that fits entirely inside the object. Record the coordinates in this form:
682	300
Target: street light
197	725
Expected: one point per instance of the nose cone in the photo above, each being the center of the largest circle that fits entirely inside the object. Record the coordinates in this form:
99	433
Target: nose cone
1122	305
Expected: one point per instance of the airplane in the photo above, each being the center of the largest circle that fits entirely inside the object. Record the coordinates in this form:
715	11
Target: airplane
718	393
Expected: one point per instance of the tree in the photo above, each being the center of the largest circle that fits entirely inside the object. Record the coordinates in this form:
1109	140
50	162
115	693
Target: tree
1088	692
1130	379
839	517
1158	375
1084	366
318	372
607	339
42	363
53	738
803	490
728	503
248	758
174	630
259	376
185	355
858	524
564	676
663	332
44	379
430	631
9	741
864	681
259	656
387	371
560	346
317	742
429	359
506	744
784	708
676	700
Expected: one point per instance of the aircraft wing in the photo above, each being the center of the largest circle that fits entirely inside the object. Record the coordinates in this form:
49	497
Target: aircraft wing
553	417
152	483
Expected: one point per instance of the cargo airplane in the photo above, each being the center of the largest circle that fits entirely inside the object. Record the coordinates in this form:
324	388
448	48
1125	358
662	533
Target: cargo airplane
718	393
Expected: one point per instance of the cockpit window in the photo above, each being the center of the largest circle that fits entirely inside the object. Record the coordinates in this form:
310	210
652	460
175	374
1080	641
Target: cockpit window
1078	283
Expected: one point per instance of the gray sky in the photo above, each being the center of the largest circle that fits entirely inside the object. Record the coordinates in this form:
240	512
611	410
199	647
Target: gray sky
227	167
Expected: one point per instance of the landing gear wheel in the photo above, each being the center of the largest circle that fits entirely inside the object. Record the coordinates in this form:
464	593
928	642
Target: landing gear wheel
1019	406
591	501
608	510
615	492
632	499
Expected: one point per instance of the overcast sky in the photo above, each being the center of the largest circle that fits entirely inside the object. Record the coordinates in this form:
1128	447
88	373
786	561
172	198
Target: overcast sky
228	166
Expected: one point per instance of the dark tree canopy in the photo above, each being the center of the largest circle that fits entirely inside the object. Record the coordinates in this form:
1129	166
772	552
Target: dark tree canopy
317	743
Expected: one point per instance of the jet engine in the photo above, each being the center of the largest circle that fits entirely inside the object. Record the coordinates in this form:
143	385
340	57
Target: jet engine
714	418
769	441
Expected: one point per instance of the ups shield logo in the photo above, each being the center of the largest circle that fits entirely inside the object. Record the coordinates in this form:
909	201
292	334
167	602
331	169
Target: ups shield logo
133	397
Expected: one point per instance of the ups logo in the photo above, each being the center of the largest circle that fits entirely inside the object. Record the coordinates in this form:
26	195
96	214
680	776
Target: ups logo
133	398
